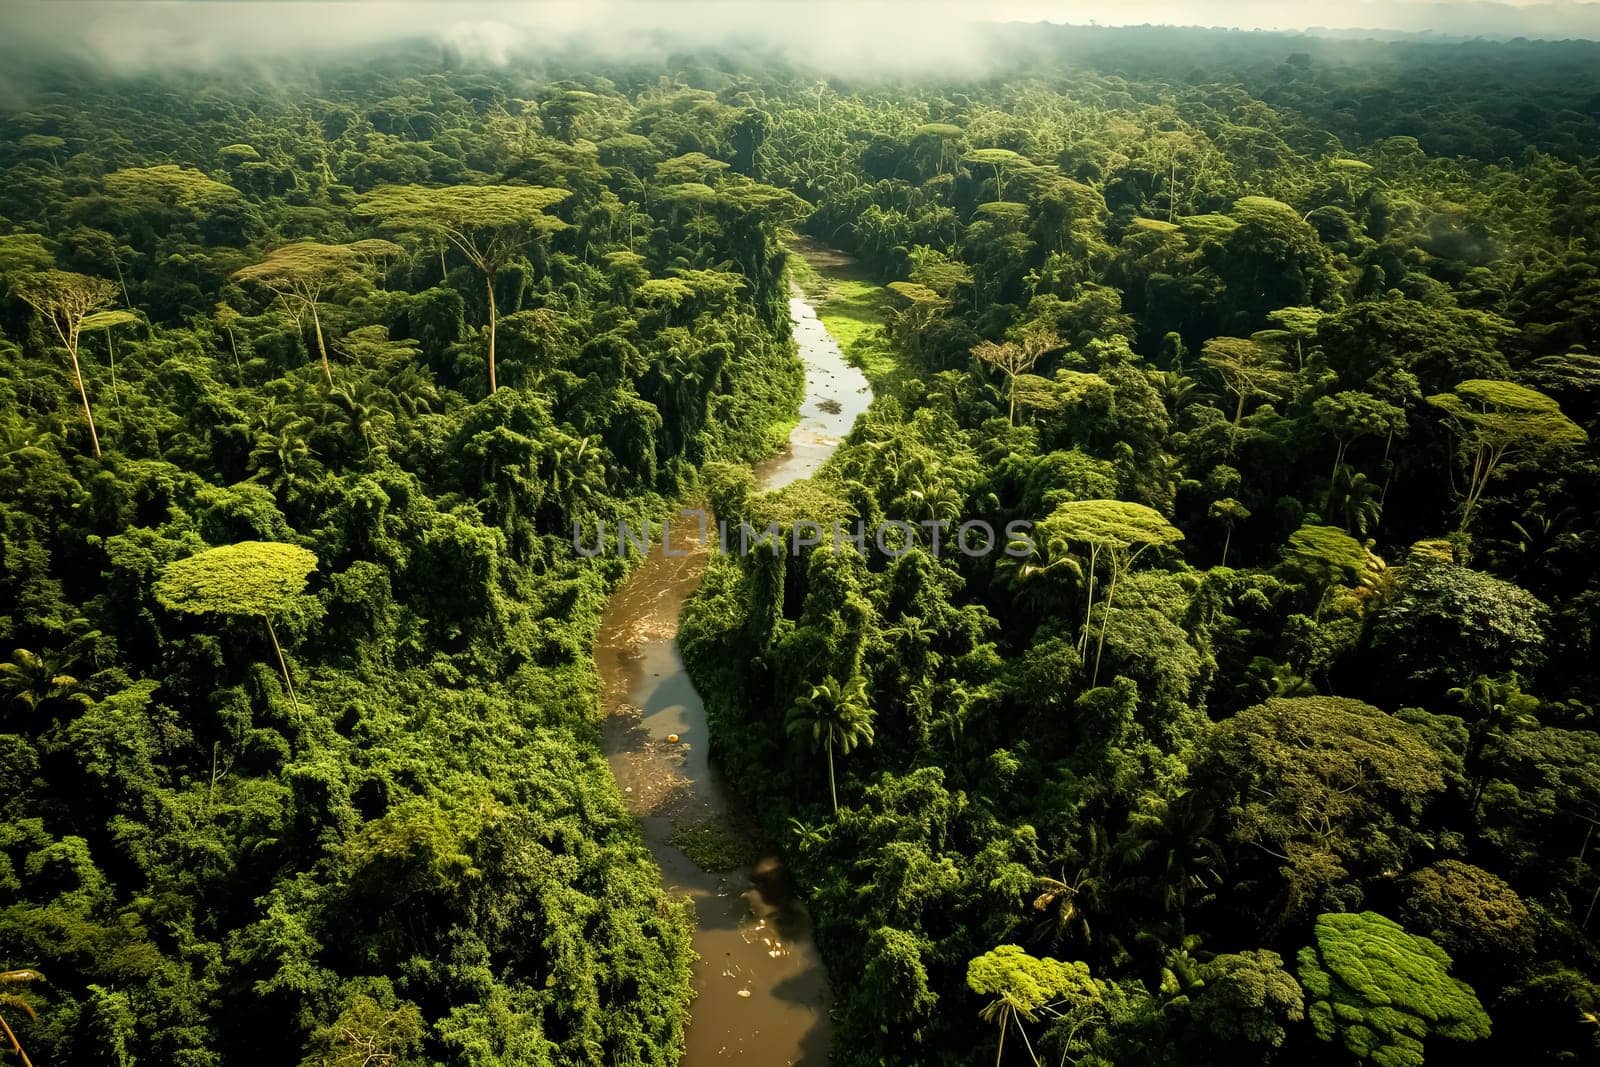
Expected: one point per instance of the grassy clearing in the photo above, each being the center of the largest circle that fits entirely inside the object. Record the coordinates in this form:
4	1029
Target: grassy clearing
714	848
853	308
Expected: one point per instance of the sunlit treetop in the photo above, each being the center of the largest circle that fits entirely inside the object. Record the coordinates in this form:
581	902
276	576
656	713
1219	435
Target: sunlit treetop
1117	524
1155	225
1004	211
296	264
1506	417
172	184
997	157
455	208
1383	991
105	320
1248	208
248	578
689	167
1208	227
21	252
913	293
1327	553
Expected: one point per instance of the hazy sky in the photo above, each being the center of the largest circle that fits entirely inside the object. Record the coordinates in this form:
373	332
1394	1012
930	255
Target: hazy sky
827	32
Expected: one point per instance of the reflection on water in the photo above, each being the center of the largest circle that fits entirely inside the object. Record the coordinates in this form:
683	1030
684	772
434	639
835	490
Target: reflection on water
836	393
761	992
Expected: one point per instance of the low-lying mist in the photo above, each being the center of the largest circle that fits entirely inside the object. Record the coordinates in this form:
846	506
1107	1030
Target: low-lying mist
885	37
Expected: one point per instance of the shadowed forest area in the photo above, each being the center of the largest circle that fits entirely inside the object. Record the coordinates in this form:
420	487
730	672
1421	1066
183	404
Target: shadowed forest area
1274	740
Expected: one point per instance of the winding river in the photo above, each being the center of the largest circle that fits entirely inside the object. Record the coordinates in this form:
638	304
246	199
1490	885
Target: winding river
761	994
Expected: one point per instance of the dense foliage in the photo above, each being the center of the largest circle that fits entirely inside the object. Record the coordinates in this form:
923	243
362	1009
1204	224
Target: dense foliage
1275	742
298	714
1296	675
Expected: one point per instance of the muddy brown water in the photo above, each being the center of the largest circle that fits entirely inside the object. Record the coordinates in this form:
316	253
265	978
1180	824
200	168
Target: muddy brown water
761	994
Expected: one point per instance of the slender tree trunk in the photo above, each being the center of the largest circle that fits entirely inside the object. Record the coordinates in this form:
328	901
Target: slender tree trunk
1105	617
111	358
833	790
1388	469
1238	412
283	665
121	282
1226	541
233	346
83	394
490	288
211	789
1172	189
16	1046
1088	609
322	348
1482	469
1333	478
1001	1051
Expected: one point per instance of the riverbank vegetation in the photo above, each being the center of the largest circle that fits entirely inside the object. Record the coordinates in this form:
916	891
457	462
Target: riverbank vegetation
297	712
1275	742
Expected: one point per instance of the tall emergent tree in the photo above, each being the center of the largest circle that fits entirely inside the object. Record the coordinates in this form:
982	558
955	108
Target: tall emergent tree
1117	531
1497	419
1016	358
833	716
248	578
108	321
1021	986
65	300
489	224
300	273
1247	368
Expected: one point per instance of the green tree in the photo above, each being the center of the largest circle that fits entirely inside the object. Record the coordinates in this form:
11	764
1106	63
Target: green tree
1349	415
1247	369
1441	624
489	224
1498	420
1472	913
1383	992
108	321
1229	513
1022	985
1015	358
1318	792
248	578
65	300
1116	531
300	273
1326	556
832	716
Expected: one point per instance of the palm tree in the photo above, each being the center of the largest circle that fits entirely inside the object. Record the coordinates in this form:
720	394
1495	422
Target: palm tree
281	458
1353	500
1166	842
1062	905
833	716
11	1000
38	683
351	404
1038	579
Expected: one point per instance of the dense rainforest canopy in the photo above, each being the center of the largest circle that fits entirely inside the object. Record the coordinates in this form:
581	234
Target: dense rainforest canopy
1274	741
